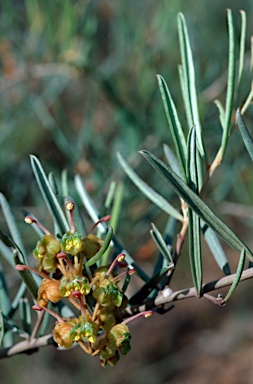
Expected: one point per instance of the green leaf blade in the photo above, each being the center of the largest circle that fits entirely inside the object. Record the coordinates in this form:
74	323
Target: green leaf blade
149	192
196	203
49	197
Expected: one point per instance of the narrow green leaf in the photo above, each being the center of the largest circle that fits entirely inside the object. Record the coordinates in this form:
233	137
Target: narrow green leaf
6	253
64	182
110	194
5	303
193	219
116	208
189	81
148	192
238	275
1	327
12	224
102	250
196	203
5	306
215	247
245	133
174	123
242	45
230	81
162	246
49	197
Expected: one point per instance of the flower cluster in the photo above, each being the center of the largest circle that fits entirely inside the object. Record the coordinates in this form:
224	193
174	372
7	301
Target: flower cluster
95	292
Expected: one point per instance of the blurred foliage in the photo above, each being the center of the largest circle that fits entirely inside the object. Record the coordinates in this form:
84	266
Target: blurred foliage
78	84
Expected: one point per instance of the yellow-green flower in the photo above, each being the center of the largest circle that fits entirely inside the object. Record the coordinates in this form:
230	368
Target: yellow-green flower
85	330
74	283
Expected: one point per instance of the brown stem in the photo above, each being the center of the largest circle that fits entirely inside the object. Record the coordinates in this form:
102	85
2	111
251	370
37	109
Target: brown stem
188	293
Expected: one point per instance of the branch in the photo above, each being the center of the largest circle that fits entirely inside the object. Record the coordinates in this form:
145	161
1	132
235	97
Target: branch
27	346
187	293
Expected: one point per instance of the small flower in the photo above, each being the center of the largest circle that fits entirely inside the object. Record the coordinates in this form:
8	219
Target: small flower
107	294
85	330
48	291
73	283
72	243
61	334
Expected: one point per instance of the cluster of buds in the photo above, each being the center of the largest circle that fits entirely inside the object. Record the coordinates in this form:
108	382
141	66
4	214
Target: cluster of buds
95	292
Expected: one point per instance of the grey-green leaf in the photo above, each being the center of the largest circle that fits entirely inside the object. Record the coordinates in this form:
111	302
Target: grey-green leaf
194	231
149	192
245	133
162	246
49	197
230	81
237	276
1	327
190	93
174	123
196	203
215	247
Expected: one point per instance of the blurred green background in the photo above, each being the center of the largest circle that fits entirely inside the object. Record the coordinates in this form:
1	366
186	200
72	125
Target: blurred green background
77	85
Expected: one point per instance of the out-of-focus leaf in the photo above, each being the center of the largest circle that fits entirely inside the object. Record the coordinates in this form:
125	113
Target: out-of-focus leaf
88	203
215	247
242	45
245	133
1	327
49	197
196	203
5	306
28	279
237	276
189	82
25	314
194	231
221	112
174	123
149	192
12	225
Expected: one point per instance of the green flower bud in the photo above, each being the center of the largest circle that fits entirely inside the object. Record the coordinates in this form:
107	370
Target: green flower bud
85	330
74	283
72	243
107	294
